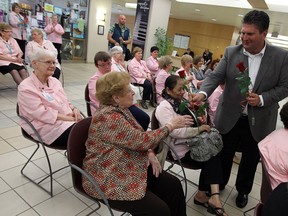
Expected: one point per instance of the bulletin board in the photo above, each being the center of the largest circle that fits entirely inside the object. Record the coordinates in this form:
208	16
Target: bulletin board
181	41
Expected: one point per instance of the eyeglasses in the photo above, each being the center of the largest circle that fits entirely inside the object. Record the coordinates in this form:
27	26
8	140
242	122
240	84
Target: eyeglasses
8	31
105	64
48	63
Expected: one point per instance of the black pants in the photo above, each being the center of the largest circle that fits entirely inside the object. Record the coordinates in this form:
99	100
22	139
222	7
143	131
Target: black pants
57	73
240	135
22	45
61	141
147	90
277	203
164	196
58	47
211	171
141	117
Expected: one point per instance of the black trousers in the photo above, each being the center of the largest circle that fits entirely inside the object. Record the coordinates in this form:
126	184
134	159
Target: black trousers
240	135
58	47
277	203
141	117
57	73
164	196
147	90
211	171
22	45
61	141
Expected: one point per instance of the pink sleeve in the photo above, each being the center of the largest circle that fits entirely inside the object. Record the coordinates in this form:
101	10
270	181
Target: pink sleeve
59	29
47	29
164	114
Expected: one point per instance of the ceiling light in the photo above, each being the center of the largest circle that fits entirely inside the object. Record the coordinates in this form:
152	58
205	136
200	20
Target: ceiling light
240	15
213	20
131	5
223	3
197	10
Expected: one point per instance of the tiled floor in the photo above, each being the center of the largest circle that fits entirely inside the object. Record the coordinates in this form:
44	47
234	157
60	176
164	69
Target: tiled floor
18	196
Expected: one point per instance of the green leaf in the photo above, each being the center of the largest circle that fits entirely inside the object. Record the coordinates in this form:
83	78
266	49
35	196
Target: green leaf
182	106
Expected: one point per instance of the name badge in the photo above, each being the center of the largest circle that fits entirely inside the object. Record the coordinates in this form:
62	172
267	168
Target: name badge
47	96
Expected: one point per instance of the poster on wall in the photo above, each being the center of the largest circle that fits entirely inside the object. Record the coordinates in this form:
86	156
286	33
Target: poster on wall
181	41
141	23
49	7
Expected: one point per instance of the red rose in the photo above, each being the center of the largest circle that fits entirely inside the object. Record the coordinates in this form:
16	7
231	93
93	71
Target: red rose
241	66
182	74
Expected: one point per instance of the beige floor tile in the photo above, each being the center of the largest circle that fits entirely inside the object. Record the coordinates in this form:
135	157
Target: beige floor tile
63	204
12	159
3	186
12	204
10	132
5	147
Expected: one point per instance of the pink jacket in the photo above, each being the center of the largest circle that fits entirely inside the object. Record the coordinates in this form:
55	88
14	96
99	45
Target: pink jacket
164	113
92	90
160	84
274	149
153	66
41	104
56	35
213	101
32	47
18	28
11	49
138	71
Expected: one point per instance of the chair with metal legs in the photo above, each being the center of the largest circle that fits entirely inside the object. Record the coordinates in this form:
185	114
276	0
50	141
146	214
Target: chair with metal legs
39	142
76	154
169	158
88	101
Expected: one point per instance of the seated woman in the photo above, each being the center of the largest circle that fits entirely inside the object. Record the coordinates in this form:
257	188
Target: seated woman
119	66
165	65
141	76
11	55
211	173
119	163
42	100
192	82
198	61
274	151
39	42
152	61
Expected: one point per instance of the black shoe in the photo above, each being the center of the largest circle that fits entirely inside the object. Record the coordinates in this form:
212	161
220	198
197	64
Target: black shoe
143	104
241	200
153	104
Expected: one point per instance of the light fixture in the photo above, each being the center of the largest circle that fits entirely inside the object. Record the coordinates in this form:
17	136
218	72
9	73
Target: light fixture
131	5
101	15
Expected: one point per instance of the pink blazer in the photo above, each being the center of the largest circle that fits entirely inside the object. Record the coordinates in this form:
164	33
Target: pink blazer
138	71
56	35
41	104
153	66
274	149
32	47
92	90
11	49
160	84
17	29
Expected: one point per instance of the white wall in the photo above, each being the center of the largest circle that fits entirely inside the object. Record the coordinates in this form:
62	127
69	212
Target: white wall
97	42
158	17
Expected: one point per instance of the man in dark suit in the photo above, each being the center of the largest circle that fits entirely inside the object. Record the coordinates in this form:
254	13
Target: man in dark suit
247	120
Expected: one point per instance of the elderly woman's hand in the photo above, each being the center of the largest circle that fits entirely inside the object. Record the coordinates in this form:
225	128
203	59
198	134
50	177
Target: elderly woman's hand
76	114
156	167
204	128
180	122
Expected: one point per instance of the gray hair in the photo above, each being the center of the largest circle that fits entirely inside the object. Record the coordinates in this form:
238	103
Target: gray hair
116	49
41	54
164	62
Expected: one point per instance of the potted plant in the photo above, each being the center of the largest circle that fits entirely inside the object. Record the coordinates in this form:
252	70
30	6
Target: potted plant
163	42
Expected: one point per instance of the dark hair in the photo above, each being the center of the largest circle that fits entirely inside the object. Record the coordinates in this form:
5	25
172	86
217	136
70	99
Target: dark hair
153	48
170	83
284	115
101	56
14	5
258	18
